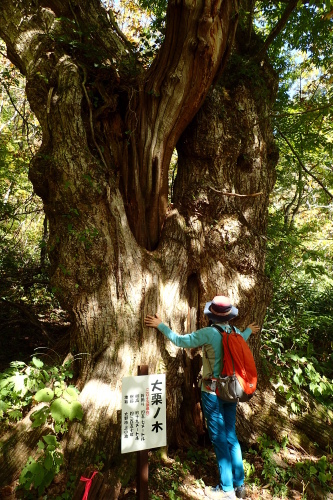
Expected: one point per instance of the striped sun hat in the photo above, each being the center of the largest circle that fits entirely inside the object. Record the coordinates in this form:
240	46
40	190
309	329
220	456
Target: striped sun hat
220	309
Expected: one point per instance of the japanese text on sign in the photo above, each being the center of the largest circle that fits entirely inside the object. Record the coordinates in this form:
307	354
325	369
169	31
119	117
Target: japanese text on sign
143	423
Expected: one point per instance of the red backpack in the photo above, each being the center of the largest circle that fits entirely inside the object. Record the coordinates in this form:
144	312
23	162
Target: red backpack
238	379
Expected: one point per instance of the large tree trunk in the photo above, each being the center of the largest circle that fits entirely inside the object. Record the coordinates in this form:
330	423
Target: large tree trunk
109	129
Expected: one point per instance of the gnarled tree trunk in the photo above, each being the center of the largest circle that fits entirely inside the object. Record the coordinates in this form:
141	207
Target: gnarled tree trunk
109	128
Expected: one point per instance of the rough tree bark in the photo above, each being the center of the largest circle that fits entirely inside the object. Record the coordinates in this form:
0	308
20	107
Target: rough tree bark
117	249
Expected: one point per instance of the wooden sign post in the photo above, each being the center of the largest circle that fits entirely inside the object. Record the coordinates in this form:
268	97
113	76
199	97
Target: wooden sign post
142	459
143	425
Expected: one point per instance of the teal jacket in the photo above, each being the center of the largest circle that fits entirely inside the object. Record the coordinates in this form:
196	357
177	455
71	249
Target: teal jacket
210	340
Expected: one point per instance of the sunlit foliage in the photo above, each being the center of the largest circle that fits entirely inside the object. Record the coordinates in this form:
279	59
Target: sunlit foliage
298	327
142	22
21	211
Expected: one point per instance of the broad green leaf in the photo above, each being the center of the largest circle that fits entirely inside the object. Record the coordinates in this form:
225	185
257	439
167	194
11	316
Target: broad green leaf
44	395
76	411
39	417
298	379
48	462
37	362
312	471
323	477
41	445
58	392
294	357
48	478
27	471
17	382
50	439
3	407
4	383
38	473
60	410
313	386
70	394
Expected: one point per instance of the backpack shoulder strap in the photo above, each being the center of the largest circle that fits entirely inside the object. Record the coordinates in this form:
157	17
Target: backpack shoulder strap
217	327
223	333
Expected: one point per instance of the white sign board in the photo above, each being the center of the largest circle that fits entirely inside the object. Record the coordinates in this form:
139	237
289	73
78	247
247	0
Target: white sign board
143	420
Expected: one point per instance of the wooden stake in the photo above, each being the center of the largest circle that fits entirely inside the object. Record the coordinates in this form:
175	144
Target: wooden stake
142	459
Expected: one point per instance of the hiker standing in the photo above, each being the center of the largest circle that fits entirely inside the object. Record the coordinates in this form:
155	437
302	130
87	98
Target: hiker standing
220	415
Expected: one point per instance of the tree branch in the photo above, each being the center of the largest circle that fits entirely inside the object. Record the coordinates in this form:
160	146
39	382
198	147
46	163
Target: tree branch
249	21
310	110
278	28
303	166
236	194
91	116
13	103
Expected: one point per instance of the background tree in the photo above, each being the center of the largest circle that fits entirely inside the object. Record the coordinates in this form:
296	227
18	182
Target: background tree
300	249
26	299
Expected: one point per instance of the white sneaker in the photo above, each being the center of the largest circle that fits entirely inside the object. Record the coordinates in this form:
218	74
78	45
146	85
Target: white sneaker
218	494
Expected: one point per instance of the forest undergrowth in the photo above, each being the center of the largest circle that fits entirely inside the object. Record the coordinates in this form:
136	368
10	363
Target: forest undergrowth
273	469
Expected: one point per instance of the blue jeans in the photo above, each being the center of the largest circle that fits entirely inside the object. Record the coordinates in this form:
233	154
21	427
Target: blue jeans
221	420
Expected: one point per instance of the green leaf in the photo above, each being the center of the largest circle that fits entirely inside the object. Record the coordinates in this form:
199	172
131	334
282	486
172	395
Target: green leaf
59	392
312	471
313	386
48	462
76	411
70	394
39	417
3	407
41	445
14	414
38	473
16	382
51	440
17	364
37	362
294	357
44	395
27	472
58	458
48	478
60	410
